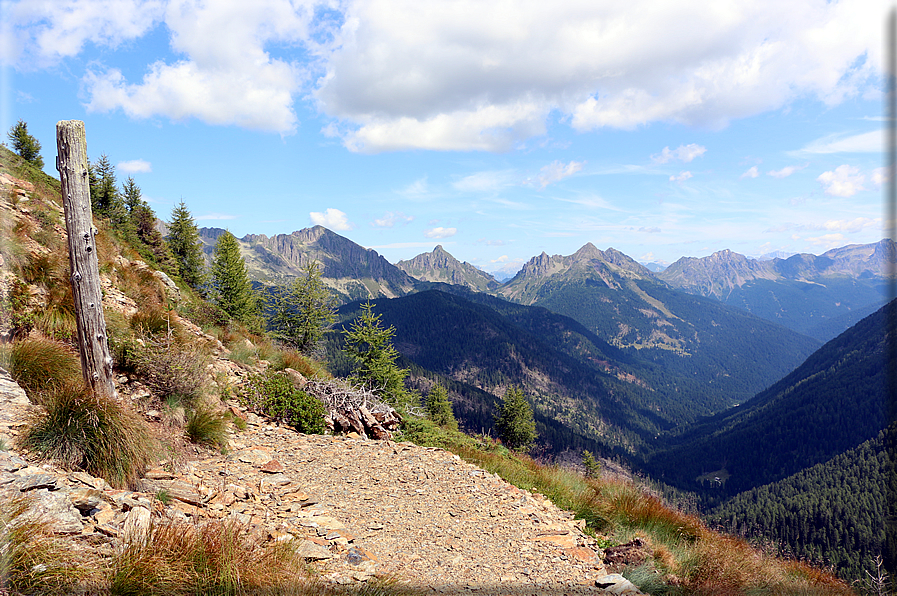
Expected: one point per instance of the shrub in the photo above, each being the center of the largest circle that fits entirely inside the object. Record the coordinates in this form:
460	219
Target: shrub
207	427
39	365
86	430
31	560
275	396
175	372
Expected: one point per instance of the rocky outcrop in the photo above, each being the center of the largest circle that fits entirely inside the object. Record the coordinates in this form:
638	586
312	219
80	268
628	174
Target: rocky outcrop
440	266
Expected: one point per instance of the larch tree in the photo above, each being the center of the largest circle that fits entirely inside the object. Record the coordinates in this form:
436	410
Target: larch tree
25	145
515	424
302	311
369	344
439	408
231	289
185	245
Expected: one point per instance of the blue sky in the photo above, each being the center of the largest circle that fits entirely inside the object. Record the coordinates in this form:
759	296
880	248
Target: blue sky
499	130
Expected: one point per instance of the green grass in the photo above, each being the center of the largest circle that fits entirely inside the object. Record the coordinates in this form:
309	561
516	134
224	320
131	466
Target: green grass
83	430
40	365
207	427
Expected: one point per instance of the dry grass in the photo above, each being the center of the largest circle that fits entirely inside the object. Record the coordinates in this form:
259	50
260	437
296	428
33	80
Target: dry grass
210	558
81	429
32	560
40	365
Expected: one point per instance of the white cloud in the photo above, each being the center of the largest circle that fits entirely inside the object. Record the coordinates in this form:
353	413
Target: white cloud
455	75
440	232
753	172
555	172
40	33
786	171
489	181
135	166
879	177
404	74
828	241
333	219
683	153
682	177
650	230
867	142
227	75
418	188
852	225
391	218
844	181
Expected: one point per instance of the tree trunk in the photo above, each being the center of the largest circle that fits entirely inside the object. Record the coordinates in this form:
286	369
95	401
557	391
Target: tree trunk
96	360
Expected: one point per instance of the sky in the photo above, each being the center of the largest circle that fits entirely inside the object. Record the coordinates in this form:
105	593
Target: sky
497	129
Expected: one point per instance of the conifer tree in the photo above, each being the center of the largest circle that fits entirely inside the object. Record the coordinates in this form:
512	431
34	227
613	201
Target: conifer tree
370	345
183	240
25	145
231	289
303	310
515	425
439	408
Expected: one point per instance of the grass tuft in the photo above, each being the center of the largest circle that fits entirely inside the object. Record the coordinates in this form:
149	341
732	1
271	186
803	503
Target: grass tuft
211	558
40	365
32	561
207	427
81	429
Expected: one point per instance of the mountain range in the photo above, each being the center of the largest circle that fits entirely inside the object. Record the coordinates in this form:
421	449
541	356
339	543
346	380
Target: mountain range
819	296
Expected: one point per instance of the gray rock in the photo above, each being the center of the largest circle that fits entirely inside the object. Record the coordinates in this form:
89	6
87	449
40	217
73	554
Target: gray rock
10	462
85	499
10	391
54	509
615	583
309	550
35	481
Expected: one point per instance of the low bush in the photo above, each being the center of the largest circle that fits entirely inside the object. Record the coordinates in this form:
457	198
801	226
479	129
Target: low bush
274	395
175	371
40	365
84	430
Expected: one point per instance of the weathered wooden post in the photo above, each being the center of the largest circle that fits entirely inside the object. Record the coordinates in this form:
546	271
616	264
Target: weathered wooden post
96	360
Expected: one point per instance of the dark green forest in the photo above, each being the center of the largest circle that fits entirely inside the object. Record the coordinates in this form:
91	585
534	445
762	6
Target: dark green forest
831	513
832	403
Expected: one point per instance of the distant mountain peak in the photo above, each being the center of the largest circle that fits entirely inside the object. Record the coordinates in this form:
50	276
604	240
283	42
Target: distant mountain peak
440	266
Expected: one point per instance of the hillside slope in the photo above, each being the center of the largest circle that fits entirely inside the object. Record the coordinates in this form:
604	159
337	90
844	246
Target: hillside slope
832	403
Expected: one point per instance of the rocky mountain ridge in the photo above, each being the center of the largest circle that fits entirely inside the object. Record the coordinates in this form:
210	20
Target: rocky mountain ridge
440	266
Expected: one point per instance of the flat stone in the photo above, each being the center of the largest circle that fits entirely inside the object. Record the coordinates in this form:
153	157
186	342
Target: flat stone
617	584
85	499
564	540
137	524
55	508
272	467
315	552
35	481
159	474
10	462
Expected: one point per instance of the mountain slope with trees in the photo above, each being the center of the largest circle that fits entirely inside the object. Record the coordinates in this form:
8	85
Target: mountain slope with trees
805	292
832	403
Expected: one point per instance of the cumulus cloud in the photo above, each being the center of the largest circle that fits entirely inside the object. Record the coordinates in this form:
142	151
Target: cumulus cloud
682	177
555	172
440	232
135	166
786	171
392	218
753	172
879	177
333	219
851	225
844	181
411	74
828	241
223	79
683	153
404	74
